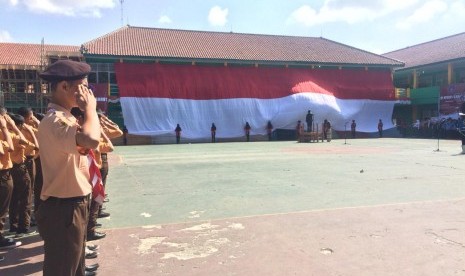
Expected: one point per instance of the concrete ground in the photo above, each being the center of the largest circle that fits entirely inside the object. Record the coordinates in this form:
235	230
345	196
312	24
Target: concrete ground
365	207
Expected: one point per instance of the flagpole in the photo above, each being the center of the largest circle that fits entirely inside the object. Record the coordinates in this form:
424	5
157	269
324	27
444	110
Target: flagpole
439	118
345	133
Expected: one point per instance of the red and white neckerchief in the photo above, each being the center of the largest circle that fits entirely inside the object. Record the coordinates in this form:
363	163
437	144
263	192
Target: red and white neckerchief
98	191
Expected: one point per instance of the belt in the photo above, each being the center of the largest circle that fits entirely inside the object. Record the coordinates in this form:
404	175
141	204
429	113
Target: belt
4	171
104	157
29	158
67	199
18	165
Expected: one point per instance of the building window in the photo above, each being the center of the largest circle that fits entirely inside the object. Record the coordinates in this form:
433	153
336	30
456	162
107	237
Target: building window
102	77
425	81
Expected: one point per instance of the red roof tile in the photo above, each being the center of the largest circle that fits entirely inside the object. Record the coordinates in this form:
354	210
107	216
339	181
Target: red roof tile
29	54
170	43
439	50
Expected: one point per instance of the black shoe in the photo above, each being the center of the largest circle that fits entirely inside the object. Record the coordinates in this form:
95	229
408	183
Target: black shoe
9	243
24	232
13	229
92	267
95	236
98	225
91	255
93	247
103	215
106	200
90	273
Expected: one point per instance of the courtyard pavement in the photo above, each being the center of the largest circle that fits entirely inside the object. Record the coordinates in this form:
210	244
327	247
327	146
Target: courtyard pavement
364	207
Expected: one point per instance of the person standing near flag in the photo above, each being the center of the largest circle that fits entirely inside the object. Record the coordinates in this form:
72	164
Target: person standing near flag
269	130
353	127
380	128
213	131
247	129
309	120
62	215
178	130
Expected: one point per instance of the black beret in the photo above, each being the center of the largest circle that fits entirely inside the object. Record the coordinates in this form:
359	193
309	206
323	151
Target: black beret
18	119
66	70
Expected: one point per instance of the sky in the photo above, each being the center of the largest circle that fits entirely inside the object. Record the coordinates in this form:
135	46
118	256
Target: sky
377	26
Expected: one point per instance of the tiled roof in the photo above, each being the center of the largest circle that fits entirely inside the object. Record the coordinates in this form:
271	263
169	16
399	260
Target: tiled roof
29	54
439	50
182	44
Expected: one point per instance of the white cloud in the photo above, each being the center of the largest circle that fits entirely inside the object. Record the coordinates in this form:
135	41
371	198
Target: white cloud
218	16
348	11
164	20
5	36
423	14
85	8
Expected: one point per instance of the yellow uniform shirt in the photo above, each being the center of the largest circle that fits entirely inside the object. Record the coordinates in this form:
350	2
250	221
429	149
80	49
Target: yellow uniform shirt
24	130
103	147
5	160
18	155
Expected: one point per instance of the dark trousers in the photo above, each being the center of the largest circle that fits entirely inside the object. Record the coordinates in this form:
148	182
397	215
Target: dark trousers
309	126
31	169
62	225
6	190
38	184
93	215
21	199
178	139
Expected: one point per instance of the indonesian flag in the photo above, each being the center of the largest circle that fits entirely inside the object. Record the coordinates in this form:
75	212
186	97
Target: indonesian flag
98	191
156	97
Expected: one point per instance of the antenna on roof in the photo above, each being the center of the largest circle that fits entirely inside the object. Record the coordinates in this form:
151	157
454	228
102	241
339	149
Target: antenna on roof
231	28
121	2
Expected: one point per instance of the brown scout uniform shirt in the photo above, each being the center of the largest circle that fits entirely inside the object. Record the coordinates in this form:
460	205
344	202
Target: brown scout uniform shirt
29	151
5	160
103	147
18	155
65	171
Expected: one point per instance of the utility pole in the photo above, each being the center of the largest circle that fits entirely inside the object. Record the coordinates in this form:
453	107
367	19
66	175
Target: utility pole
121	2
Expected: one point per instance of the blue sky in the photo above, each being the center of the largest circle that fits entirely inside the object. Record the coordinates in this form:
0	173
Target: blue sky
377	26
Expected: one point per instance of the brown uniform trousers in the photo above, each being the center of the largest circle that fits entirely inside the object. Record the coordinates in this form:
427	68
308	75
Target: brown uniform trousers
31	169
61	221
6	190
38	184
21	199
95	208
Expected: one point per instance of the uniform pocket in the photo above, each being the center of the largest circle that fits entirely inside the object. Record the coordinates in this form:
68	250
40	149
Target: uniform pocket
68	214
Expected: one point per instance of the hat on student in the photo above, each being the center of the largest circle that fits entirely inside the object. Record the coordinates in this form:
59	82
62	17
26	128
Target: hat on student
66	70
18	119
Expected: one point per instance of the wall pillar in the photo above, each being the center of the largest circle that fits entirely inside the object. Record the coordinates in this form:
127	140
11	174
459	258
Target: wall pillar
450	73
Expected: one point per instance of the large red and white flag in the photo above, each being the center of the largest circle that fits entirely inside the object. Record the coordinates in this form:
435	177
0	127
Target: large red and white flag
156	97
